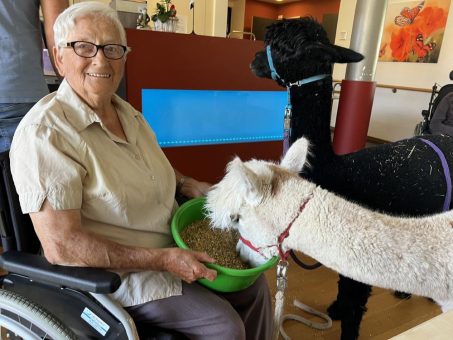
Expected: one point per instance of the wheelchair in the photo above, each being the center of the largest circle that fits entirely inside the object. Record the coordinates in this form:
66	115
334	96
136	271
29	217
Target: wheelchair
39	300
437	95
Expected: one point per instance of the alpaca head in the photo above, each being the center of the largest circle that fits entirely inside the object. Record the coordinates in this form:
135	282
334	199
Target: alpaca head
243	200
300	49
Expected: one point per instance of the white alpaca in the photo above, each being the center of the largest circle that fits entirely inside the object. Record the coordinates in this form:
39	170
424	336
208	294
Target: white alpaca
260	199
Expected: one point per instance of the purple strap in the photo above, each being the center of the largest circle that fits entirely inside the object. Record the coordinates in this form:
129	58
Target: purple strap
446	172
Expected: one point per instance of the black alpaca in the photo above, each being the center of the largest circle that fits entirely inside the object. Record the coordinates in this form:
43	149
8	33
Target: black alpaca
403	178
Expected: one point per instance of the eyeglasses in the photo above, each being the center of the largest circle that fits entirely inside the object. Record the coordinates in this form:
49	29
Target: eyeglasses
86	49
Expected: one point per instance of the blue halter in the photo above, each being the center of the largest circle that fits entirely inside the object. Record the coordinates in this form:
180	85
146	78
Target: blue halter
275	75
288	108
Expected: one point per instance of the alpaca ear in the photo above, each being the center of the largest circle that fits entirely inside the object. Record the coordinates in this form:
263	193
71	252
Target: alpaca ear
296	155
346	55
334	53
250	183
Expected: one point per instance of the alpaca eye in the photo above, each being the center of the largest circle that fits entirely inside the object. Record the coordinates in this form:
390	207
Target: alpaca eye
235	218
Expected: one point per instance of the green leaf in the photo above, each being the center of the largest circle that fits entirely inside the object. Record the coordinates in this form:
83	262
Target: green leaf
163	12
163	17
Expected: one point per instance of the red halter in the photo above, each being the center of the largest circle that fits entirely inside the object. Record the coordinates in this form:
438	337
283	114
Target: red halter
283	255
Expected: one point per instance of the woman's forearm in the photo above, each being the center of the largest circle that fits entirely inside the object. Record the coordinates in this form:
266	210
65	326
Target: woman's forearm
65	243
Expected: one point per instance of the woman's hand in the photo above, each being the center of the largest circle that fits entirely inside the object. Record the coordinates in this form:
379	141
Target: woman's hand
193	188
187	265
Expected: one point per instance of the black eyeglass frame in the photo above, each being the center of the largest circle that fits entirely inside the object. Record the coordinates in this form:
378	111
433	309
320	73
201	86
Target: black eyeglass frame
126	49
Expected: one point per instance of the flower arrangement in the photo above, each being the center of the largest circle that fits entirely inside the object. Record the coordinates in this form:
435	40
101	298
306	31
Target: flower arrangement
165	10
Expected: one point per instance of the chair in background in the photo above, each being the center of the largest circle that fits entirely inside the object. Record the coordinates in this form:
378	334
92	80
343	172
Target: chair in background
436	96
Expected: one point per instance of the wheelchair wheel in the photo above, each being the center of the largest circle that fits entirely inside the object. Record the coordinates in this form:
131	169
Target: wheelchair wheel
22	319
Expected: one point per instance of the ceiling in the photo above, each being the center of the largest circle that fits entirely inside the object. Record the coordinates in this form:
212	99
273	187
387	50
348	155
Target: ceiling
279	3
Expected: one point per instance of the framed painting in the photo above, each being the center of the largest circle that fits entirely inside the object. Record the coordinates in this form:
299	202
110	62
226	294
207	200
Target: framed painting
413	30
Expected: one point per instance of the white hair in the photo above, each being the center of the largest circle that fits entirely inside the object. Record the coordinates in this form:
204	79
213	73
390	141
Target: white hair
66	21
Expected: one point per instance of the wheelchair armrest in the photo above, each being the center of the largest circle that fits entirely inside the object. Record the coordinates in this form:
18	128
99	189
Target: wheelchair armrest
37	268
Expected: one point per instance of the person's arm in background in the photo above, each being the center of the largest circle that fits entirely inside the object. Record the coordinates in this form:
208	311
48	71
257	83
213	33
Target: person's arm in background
50	11
443	111
190	187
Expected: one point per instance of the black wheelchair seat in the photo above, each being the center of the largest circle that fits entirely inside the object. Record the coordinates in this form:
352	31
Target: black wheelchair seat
436	97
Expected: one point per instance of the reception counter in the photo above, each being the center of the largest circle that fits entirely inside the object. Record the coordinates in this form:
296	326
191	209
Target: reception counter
216	69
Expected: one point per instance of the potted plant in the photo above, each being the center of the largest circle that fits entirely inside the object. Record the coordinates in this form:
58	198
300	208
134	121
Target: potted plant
164	17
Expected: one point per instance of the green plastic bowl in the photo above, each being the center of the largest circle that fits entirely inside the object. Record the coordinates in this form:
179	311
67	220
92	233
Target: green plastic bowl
228	279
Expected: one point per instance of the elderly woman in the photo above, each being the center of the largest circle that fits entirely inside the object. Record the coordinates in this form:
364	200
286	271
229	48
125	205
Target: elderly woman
100	191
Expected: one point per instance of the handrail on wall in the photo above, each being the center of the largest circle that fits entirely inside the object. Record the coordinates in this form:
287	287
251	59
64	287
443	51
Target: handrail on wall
251	34
405	88
394	88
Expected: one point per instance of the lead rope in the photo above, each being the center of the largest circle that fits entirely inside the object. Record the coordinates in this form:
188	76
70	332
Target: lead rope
282	266
312	324
287	122
282	281
279	318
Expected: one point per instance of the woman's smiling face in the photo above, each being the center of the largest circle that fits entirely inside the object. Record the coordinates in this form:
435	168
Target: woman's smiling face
94	79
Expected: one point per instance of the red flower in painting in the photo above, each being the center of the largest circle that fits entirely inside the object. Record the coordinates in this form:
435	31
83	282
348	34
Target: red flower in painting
430	20
401	43
414	38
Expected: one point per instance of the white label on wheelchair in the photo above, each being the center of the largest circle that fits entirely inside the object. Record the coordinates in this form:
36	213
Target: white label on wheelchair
94	321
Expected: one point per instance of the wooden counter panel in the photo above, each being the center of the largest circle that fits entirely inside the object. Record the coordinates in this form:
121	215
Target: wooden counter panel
164	60
207	162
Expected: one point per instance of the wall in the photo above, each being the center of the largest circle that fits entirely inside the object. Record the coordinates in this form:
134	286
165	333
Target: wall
210	15
395	115
258	9
218	23
237	15
314	8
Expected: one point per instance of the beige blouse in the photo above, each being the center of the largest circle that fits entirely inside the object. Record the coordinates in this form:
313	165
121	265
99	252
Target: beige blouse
125	190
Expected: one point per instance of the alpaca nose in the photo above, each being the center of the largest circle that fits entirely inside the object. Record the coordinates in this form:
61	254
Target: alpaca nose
234	218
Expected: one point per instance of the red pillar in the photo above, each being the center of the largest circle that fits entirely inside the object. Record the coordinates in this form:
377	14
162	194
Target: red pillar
357	91
353	117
